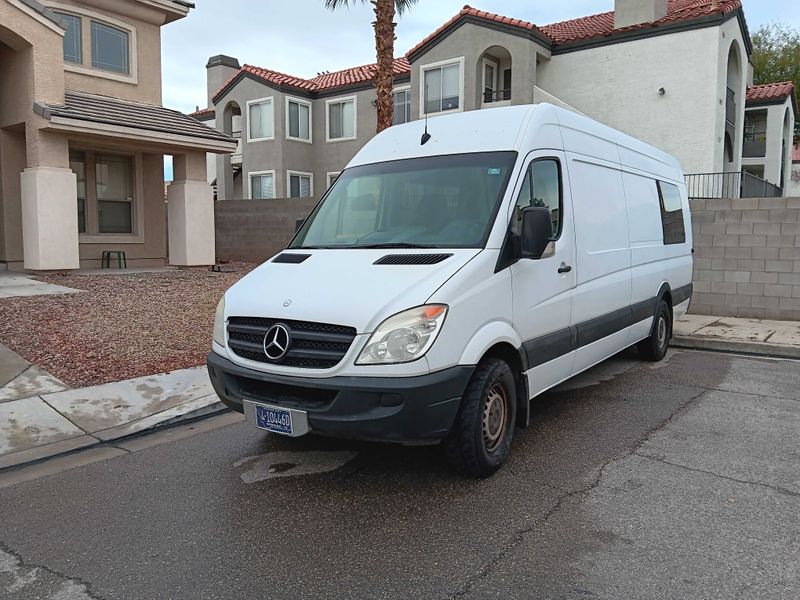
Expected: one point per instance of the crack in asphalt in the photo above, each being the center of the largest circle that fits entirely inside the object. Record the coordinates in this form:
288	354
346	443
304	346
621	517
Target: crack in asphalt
774	488
72	588
519	535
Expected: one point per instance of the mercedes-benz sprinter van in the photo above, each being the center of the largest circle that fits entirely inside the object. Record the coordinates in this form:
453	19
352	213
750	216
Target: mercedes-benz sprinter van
446	279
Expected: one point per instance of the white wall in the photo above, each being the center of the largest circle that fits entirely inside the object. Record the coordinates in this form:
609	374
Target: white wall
794	182
619	85
778	145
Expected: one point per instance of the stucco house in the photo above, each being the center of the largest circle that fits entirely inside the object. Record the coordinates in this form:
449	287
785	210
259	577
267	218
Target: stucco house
83	137
768	132
671	72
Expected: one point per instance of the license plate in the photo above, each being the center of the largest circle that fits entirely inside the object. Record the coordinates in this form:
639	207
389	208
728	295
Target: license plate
277	420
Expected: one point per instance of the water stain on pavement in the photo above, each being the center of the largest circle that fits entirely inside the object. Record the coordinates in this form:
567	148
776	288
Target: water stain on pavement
291	464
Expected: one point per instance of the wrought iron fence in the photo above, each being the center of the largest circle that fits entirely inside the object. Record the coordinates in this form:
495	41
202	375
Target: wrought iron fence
729	184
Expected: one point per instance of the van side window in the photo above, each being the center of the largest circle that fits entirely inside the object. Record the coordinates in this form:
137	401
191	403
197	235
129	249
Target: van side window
541	187
671	213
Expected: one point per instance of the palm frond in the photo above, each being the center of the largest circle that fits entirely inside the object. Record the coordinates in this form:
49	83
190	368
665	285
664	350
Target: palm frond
334	4
402	5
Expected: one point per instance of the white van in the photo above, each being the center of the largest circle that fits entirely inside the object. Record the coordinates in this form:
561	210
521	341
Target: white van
438	287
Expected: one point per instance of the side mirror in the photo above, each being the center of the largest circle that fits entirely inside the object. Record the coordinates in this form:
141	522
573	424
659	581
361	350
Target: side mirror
299	223
537	231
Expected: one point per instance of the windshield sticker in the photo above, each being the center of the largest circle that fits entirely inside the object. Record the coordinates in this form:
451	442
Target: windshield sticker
494	171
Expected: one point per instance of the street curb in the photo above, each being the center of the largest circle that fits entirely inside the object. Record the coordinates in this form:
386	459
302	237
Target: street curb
199	414
737	347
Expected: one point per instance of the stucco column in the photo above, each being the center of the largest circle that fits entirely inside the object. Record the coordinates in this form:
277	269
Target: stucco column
49	199
190	207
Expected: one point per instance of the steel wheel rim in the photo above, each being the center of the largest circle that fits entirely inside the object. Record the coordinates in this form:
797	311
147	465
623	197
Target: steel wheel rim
495	417
662	331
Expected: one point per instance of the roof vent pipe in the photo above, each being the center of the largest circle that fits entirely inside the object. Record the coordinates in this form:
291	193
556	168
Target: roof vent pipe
628	13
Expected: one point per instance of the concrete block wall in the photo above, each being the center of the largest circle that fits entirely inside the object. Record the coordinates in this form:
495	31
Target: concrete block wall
747	258
255	230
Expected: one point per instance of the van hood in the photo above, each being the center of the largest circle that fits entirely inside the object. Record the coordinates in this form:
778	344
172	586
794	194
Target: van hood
342	286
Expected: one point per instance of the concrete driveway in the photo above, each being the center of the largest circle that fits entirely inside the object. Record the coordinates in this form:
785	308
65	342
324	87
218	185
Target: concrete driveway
674	480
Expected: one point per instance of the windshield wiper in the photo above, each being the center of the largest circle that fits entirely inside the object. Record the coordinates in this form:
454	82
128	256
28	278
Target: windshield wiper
395	245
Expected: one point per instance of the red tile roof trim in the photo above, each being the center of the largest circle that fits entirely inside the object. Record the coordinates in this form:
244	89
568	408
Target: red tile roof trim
203	113
322	82
796	153
770	91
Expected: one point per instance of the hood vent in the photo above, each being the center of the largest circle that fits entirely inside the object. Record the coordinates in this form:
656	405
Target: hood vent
290	258
411	259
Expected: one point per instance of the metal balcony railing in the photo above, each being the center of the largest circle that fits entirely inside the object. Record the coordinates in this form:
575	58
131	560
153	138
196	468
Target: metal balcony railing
496	96
730	184
730	108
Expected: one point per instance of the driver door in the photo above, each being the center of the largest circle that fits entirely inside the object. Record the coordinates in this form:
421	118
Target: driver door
542	289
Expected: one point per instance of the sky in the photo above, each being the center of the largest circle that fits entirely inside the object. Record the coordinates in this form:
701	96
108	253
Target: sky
302	37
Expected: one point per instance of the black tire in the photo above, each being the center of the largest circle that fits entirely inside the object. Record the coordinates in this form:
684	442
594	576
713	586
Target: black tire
654	347
480	440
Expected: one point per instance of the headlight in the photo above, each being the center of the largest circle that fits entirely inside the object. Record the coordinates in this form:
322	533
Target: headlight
404	337
219	322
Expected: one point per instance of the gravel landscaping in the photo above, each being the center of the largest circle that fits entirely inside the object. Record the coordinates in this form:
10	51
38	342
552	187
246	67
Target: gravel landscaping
121	326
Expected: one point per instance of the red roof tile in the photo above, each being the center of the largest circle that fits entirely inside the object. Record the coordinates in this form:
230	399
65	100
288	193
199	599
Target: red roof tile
770	91
796	153
203	113
468	11
356	75
602	24
324	81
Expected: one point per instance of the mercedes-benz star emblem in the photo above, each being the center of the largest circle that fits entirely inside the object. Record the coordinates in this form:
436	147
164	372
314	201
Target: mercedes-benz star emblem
276	341
287	302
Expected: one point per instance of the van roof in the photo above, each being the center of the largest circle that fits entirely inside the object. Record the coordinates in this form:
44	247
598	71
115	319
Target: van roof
495	129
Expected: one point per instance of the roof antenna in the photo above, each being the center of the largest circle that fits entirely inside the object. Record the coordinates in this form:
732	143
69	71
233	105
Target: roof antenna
425	136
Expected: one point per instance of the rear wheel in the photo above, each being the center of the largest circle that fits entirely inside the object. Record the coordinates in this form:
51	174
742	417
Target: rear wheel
480	440
654	347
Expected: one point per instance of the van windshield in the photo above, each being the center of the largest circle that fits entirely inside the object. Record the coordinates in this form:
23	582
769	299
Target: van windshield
435	202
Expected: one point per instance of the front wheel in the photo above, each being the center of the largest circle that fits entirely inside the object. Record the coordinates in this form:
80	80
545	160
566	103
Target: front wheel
654	347
480	440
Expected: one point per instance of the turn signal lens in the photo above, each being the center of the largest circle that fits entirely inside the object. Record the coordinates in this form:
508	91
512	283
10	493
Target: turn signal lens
405	336
219	322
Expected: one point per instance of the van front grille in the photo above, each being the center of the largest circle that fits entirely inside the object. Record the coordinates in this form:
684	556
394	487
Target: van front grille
311	346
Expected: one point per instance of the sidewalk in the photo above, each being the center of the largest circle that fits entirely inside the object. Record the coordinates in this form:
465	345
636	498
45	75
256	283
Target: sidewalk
40	418
750	336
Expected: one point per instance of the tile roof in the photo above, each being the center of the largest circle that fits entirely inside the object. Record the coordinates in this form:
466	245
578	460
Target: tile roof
602	24
203	114
322	82
124	113
770	91
796	153
469	11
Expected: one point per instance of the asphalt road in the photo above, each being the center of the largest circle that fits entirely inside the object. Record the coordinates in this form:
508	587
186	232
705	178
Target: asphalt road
674	480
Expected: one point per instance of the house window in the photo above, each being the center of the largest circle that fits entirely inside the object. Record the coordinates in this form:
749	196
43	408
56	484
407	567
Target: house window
105	192
261	120
671	213
341	119
441	87
402	106
77	162
332	177
72	38
298	120
114	185
300	185
109	48
262	185
541	188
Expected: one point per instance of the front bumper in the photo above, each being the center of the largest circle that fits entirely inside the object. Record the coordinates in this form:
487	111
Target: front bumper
396	409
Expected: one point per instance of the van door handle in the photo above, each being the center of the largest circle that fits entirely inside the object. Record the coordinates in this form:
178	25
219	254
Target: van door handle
564	268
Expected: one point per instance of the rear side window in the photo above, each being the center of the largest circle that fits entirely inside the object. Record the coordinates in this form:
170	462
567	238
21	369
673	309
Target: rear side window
542	188
671	213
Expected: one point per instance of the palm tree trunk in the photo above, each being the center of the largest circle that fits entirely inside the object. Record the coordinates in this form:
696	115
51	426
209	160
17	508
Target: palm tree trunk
384	46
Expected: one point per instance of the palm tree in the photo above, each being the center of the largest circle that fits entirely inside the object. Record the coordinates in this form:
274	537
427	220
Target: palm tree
384	26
